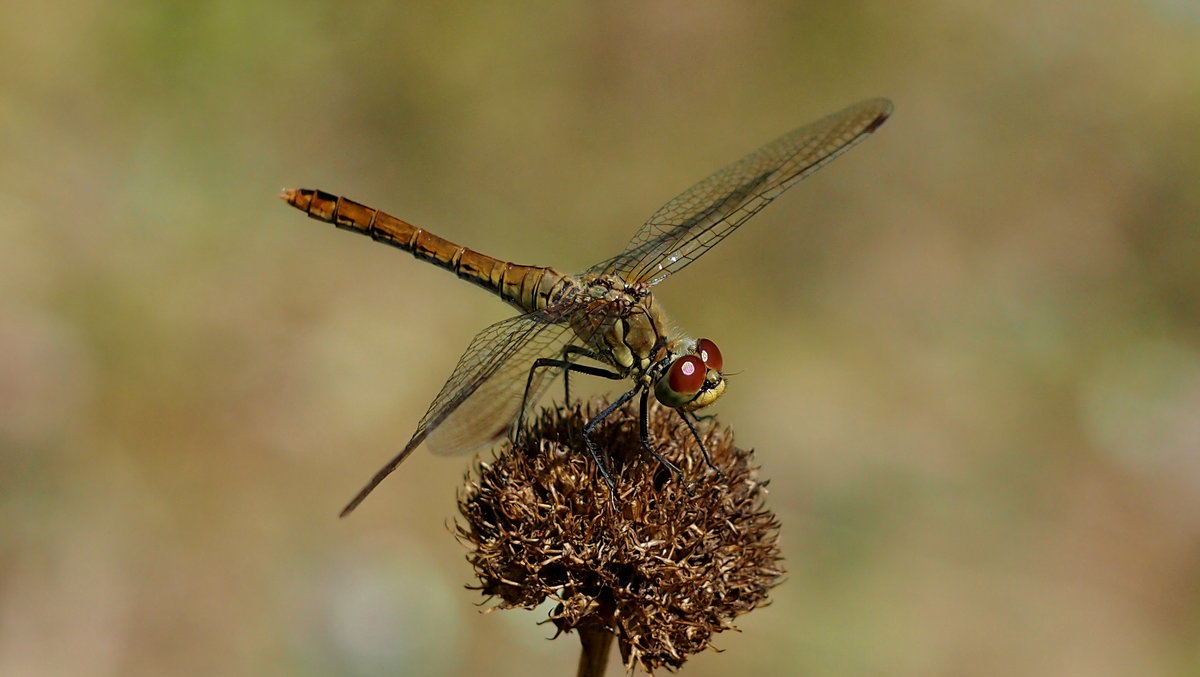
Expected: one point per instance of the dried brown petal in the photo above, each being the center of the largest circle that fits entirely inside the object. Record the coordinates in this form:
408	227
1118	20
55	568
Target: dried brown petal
671	566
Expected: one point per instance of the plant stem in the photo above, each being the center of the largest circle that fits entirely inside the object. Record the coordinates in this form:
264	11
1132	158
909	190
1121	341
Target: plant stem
594	657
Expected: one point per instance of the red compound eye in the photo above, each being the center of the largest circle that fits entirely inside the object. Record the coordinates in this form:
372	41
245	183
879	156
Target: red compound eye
686	376
710	354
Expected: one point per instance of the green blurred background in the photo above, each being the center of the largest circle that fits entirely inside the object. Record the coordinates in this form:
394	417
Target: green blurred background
967	353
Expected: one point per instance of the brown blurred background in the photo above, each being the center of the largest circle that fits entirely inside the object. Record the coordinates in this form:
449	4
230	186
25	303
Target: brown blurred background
967	353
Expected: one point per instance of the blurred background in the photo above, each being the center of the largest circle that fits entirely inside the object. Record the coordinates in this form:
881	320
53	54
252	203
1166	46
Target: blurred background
967	353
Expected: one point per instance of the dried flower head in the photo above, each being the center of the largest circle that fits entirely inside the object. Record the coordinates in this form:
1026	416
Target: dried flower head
674	562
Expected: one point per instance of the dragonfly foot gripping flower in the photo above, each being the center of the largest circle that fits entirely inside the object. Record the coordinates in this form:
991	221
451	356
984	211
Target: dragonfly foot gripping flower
672	565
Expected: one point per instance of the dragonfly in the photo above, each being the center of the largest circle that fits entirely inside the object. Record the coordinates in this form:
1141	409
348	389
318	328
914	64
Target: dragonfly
606	315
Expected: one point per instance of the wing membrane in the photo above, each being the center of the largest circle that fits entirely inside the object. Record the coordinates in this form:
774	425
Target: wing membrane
488	411
686	227
478	403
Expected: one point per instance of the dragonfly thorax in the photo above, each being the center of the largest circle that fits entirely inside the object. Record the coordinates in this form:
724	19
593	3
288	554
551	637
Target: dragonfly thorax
621	323
625	327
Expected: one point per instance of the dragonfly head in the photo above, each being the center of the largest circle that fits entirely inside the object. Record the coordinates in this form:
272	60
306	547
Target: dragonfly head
693	380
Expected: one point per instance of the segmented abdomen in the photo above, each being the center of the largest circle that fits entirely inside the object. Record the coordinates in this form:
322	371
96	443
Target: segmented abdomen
526	287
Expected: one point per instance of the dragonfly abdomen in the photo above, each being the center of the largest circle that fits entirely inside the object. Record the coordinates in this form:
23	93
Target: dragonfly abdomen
526	287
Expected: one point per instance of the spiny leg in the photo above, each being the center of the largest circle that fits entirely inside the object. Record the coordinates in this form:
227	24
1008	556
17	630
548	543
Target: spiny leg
696	433
644	422
591	446
572	349
567	366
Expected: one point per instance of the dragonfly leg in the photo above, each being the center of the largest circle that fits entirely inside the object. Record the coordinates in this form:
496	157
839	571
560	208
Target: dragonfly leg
644	422
567	351
567	366
591	446
696	433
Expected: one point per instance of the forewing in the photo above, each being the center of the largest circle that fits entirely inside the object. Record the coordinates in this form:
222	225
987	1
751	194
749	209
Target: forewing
686	227
482	397
484	407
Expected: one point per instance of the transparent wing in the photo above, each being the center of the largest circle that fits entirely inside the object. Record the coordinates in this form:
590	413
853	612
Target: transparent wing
478	405
686	227
479	402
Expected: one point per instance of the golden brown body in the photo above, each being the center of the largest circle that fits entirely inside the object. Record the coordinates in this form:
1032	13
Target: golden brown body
526	287
608	313
620	323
